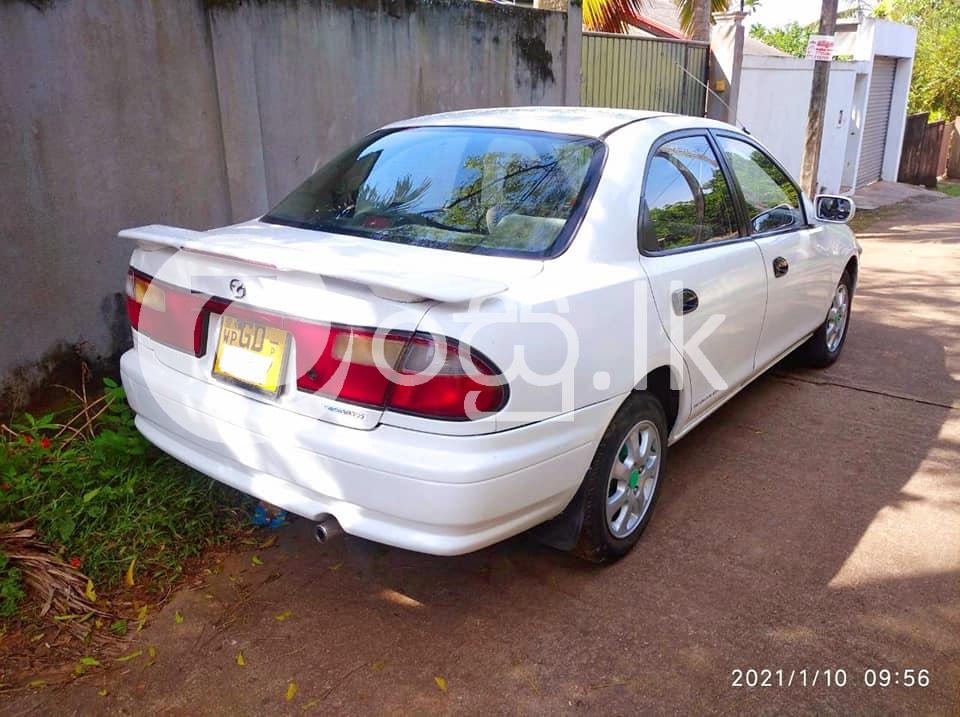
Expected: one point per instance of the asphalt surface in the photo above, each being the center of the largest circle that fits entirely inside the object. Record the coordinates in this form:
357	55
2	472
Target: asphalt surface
812	524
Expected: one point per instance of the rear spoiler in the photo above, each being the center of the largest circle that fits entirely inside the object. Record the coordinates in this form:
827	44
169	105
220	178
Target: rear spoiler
399	284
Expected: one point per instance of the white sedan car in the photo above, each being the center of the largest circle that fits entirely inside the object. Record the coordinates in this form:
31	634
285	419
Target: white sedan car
470	324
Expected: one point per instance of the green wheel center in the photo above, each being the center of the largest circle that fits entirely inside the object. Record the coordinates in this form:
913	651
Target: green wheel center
634	478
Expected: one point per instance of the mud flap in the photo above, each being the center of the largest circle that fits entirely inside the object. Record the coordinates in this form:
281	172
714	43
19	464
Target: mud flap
563	532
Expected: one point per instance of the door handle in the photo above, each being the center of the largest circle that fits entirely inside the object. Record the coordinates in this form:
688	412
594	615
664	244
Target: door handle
685	301
780	266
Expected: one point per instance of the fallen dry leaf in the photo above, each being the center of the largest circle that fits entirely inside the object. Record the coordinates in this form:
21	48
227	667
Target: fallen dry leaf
240	659
128	578
291	691
90	662
377	666
103	693
283	615
132	655
441	683
178	618
268	543
90	593
255	560
141	618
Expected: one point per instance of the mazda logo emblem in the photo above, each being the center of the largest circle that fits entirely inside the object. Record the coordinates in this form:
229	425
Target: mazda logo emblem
237	289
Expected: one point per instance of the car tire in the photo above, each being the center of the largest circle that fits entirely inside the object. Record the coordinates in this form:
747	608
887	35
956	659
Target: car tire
619	494
824	347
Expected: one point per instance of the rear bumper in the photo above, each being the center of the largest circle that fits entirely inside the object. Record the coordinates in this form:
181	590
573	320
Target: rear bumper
432	493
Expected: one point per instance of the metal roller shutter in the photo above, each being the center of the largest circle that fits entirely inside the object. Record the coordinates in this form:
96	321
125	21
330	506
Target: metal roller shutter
876	121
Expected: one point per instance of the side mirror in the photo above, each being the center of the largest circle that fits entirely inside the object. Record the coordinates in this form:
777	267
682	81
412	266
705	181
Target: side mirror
834	208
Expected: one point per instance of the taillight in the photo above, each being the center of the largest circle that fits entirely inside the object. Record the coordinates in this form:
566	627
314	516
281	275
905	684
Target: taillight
167	314
417	374
448	381
342	362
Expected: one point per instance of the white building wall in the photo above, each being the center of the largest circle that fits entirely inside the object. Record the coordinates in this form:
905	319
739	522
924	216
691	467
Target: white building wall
773	105
774	99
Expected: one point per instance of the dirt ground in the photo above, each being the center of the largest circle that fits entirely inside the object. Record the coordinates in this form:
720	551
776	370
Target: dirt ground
813	523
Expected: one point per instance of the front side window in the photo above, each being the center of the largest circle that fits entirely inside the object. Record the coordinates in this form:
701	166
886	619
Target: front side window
459	188
772	200
687	198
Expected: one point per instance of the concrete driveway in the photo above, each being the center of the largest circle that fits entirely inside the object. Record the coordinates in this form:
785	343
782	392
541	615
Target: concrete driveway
814	523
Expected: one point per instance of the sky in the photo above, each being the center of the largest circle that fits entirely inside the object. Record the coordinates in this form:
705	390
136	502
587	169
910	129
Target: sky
779	12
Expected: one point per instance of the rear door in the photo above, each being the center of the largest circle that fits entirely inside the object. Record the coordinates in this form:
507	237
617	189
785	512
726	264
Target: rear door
707	279
796	262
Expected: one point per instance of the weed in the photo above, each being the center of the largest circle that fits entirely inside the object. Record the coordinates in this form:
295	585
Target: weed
99	492
11	591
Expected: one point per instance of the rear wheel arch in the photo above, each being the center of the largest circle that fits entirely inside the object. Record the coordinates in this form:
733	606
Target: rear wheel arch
665	384
564	531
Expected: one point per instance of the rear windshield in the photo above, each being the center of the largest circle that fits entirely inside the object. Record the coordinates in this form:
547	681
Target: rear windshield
491	191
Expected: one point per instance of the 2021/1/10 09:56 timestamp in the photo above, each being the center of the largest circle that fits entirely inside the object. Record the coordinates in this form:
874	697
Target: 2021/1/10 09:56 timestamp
839	677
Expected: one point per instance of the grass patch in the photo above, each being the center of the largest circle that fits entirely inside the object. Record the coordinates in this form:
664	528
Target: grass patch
103	497
862	220
951	189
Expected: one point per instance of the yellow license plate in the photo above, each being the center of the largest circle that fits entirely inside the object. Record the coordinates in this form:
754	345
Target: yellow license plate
251	354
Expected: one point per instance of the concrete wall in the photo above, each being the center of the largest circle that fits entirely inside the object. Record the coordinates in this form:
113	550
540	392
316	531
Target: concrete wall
300	81
115	114
773	105
108	119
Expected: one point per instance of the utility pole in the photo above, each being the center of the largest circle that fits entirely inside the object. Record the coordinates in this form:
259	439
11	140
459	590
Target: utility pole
818	103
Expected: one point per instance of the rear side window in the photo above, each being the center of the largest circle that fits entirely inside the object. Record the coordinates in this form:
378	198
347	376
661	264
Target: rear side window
772	200
482	190
686	196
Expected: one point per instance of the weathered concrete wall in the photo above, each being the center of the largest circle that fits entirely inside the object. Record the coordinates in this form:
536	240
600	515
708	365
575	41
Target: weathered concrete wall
108	119
114	114
299	81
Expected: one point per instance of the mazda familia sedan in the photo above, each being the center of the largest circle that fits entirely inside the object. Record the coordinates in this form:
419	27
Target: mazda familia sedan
470	324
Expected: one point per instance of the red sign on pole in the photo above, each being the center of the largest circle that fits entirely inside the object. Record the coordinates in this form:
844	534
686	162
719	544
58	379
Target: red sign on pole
820	48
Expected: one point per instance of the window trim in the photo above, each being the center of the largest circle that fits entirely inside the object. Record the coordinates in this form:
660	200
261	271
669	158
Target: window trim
560	244
741	199
643	217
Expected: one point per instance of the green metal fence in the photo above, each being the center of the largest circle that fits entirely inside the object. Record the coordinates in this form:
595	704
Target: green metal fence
643	73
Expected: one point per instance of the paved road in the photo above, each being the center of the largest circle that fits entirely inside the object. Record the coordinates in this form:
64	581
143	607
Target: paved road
814	523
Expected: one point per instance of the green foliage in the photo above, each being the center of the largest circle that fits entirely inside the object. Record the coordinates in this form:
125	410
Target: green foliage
104	496
687	10
949	188
935	86
791	38
11	589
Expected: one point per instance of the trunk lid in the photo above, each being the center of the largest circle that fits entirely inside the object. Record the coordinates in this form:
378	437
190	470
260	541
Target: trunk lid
272	275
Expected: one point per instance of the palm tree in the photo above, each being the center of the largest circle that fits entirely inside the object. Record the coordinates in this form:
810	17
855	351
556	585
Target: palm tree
695	16
611	15
617	15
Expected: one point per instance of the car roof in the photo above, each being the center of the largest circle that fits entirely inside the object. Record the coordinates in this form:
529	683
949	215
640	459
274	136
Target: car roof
583	121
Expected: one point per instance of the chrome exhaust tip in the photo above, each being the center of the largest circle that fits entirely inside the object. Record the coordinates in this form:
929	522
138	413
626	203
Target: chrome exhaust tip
327	529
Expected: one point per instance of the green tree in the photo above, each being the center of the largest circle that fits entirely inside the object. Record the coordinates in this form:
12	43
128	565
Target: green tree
791	38
935	86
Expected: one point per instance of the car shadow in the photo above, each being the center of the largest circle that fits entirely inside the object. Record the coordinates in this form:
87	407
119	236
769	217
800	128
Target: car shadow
786	537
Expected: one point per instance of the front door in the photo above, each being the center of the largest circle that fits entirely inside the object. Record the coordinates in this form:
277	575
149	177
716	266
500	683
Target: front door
796	262
707	281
